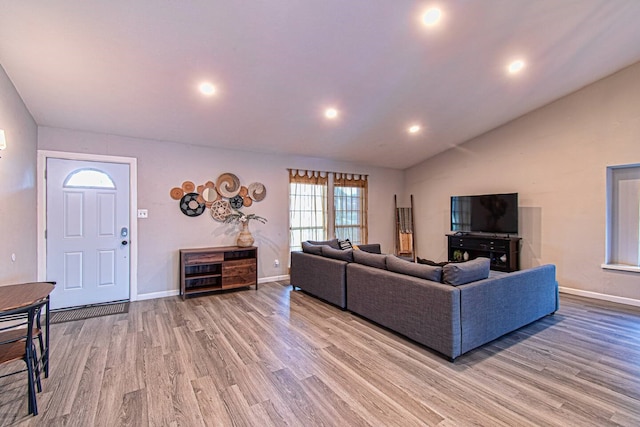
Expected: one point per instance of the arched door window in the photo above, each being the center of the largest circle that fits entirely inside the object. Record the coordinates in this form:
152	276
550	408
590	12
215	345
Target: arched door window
89	178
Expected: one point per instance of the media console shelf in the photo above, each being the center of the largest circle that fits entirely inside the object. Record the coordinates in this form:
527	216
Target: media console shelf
217	269
503	252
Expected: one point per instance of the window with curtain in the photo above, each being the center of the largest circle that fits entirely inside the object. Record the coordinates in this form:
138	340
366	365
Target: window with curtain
350	207
623	218
313	215
307	207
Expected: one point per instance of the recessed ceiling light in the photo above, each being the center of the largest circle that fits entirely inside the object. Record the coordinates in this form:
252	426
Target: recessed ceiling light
207	89
331	113
414	129
431	17
515	66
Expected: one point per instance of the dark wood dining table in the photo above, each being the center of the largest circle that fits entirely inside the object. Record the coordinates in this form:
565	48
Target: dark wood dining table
14	300
23	294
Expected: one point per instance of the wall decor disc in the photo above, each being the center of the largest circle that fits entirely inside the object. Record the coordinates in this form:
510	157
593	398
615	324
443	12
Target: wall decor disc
209	184
236	202
200	189
209	194
257	191
189	205
247	201
176	193
188	186
220	210
243	191
228	185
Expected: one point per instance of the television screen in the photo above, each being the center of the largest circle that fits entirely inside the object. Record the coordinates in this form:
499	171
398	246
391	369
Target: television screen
487	213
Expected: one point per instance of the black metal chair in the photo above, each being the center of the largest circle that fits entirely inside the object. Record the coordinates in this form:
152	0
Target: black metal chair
20	329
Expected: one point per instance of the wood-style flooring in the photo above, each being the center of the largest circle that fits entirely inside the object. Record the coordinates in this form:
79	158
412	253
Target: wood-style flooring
277	357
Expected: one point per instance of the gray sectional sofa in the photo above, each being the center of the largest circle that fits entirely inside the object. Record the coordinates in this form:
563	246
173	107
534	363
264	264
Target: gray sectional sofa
472	307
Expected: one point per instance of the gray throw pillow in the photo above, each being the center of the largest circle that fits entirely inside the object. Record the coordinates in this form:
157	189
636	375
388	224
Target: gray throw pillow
459	273
373	248
342	255
372	260
429	262
312	249
333	243
409	268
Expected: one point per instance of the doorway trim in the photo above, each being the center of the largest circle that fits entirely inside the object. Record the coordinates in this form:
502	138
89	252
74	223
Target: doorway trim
43	155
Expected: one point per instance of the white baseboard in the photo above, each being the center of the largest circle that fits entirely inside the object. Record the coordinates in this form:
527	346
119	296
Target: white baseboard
164	294
274	279
596	295
154	295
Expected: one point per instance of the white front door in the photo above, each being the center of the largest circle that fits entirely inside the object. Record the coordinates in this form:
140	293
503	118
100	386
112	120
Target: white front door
87	231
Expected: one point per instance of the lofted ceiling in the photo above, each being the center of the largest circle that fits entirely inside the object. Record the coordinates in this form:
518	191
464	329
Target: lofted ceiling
132	68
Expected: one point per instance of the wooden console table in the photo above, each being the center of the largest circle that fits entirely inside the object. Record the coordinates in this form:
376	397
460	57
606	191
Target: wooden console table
204	270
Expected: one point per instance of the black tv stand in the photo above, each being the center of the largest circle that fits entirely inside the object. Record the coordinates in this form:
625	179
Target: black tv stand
503	252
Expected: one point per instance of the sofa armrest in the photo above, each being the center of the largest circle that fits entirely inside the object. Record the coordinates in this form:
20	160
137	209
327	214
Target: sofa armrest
320	276
495	306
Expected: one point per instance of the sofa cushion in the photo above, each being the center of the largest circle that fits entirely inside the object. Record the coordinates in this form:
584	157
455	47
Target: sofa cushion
345	244
333	243
372	260
342	255
459	273
409	268
312	249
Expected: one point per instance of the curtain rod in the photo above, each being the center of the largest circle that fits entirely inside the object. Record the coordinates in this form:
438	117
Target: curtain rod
327	172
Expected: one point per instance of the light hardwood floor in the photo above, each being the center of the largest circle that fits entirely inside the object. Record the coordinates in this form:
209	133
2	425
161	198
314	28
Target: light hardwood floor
279	357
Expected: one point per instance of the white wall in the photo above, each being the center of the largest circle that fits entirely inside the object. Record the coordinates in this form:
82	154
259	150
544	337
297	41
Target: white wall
163	165
556	159
17	187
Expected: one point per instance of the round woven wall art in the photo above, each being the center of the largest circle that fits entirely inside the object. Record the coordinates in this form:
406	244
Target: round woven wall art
228	185
257	191
220	210
176	193
190	206
188	186
236	202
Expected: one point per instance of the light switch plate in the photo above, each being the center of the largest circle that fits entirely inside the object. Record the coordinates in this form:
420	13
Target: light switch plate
143	213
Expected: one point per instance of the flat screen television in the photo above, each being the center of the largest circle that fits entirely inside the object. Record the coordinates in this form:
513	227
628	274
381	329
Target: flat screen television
486	213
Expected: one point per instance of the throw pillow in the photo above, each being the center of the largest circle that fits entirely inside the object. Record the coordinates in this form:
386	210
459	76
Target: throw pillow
372	260
433	263
459	273
312	249
345	244
342	255
333	243
409	268
373	248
